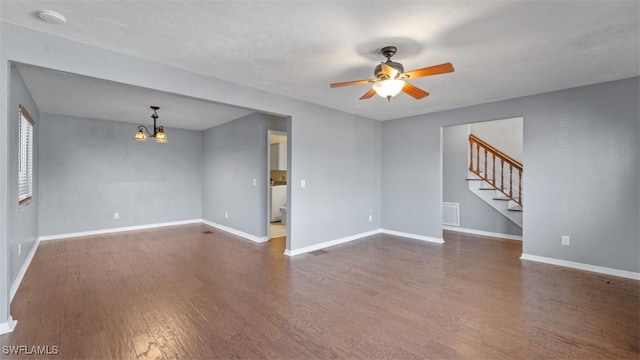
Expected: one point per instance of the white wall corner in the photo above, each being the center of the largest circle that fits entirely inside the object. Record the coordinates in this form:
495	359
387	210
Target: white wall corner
329	243
413	236
582	266
257	239
23	270
8	326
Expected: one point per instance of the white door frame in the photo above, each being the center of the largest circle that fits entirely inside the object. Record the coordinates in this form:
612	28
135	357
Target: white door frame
268	219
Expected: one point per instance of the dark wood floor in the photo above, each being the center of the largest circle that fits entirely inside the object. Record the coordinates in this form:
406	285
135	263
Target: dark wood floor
180	293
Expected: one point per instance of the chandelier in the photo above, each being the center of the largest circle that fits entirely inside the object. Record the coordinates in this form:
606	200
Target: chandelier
158	131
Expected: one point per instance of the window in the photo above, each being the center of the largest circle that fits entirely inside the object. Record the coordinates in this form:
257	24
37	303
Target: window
25	157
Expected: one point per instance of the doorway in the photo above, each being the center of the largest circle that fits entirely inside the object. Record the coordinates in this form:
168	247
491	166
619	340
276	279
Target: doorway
277	190
481	192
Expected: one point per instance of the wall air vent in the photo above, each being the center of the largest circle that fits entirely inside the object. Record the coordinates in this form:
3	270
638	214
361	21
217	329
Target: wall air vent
451	213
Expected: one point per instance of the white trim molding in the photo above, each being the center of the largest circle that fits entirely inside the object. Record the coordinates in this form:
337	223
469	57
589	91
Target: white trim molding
482	233
8	326
120	229
343	240
413	236
582	266
23	270
258	239
330	243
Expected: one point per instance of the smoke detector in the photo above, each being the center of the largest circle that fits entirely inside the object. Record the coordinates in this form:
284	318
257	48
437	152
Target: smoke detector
52	17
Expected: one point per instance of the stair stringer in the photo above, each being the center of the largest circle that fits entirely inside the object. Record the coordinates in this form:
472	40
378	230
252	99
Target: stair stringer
487	196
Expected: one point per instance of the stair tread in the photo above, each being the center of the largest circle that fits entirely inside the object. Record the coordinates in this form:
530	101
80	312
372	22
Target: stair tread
517	210
502	199
486	188
474	180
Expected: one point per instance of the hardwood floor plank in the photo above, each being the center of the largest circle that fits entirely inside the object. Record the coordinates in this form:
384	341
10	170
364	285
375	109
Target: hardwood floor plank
180	293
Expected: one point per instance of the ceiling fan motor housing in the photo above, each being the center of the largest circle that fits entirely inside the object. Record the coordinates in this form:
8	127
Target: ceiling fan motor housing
381	75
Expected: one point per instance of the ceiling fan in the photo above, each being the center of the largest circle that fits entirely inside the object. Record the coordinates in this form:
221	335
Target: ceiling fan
390	78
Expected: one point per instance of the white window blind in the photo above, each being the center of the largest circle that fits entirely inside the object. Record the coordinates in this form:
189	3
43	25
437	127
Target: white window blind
25	157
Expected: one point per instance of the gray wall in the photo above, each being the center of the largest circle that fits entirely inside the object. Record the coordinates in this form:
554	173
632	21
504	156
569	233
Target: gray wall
338	155
581	177
235	153
474	212
23	220
5	71
308	122
91	168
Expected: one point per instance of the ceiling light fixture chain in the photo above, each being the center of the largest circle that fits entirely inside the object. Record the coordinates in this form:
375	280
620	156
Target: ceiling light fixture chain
158	131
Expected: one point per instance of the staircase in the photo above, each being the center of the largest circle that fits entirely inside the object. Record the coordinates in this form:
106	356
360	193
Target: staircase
496	178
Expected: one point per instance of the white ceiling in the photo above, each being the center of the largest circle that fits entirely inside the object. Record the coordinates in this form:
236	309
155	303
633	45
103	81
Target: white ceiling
74	95
500	49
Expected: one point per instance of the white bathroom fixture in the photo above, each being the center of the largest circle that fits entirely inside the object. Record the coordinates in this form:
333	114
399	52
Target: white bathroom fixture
278	200
283	213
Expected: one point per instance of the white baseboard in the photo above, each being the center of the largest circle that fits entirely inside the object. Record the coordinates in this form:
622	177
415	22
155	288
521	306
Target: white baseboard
120	229
582	266
8	326
413	236
343	240
329	243
258	239
16	282
482	233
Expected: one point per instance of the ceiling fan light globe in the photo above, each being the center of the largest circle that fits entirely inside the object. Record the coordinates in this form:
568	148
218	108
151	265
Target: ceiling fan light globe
388	88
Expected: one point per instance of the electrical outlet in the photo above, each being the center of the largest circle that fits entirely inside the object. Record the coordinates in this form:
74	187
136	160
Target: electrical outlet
566	240
116	216
255	182
19	249
226	214
370	217
303	183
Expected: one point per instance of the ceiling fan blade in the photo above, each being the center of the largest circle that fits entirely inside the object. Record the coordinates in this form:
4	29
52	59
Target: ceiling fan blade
414	91
431	70
349	83
368	94
390	71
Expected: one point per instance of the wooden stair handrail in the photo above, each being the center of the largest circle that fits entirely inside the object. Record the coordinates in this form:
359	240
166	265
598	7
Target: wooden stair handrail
516	164
504	158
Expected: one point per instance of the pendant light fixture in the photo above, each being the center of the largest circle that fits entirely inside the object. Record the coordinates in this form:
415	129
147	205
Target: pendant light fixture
158	131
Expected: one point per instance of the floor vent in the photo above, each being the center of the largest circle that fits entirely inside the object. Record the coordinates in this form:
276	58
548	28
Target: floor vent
318	252
451	213
207	232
